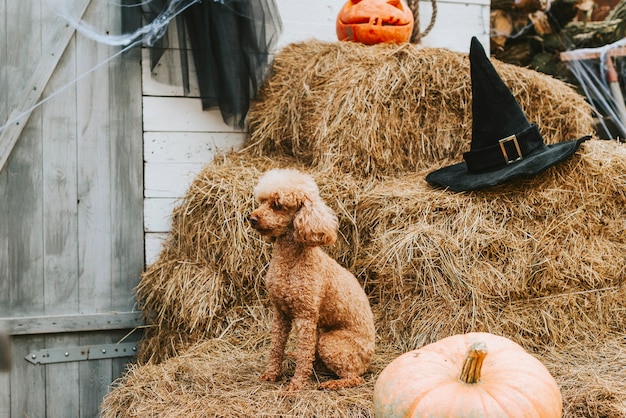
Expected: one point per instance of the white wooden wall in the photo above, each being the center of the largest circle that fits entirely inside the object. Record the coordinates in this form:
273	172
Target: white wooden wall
180	138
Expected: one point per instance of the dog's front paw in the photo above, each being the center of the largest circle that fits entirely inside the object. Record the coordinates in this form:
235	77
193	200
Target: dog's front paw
294	386
270	376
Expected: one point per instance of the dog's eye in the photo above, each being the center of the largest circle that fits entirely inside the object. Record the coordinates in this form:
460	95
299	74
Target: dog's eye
276	206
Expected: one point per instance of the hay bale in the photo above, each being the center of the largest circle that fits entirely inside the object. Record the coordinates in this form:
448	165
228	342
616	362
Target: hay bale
211	267
541	260
592	378
211	263
384	109
560	232
218	378
194	288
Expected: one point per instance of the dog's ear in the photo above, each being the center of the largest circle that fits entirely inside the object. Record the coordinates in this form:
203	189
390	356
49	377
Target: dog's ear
315	224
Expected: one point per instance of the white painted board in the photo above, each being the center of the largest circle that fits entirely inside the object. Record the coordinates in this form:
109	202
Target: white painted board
189	147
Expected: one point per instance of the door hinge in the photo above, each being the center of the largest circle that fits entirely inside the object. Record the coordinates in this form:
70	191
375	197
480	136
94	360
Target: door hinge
90	352
5	352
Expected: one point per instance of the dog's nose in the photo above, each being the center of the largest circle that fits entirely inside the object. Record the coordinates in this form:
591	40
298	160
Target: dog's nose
254	220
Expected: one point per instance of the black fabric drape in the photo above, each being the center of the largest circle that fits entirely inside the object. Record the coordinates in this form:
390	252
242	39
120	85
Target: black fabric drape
231	44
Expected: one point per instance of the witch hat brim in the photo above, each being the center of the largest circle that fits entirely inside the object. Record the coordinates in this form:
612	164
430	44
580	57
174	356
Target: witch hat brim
505	145
457	178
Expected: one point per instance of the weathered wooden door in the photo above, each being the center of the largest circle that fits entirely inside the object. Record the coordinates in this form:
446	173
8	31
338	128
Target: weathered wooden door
71	192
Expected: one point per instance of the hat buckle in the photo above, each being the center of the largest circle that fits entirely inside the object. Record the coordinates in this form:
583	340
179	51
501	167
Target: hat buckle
503	142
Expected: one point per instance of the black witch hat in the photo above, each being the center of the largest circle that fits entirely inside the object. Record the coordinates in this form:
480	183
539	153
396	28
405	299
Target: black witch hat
505	144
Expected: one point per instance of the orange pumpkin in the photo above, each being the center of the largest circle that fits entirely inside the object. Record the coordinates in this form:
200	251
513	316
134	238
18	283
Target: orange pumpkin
375	21
455	377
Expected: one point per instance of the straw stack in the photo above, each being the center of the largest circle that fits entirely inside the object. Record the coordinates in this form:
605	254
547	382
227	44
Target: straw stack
541	260
383	109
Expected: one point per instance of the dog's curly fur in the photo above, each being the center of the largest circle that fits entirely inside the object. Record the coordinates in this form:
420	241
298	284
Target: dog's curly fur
309	291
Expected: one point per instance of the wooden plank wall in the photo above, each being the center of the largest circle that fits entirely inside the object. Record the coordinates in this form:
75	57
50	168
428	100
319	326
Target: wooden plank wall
180	138
71	234
5	105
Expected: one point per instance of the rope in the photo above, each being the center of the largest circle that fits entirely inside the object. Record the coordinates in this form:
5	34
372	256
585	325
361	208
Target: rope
416	36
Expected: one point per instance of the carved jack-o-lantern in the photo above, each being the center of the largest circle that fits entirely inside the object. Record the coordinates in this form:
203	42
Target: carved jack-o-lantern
375	21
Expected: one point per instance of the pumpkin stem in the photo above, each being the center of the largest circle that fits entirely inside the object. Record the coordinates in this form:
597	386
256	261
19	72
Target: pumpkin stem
473	363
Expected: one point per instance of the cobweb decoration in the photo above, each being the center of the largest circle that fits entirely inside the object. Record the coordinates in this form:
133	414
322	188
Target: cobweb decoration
598	72
148	34
231	42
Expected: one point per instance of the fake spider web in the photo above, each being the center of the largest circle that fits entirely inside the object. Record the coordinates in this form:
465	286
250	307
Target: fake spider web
600	73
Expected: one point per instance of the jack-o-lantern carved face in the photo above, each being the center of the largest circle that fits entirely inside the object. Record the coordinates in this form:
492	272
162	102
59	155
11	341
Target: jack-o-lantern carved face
375	21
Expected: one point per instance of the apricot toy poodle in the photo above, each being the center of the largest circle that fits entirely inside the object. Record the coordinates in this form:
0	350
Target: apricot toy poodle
309	291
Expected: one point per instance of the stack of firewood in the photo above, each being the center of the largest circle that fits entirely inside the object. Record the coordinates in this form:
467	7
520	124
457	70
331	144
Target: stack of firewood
532	33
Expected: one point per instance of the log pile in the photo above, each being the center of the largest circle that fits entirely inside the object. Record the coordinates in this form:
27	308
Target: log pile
532	33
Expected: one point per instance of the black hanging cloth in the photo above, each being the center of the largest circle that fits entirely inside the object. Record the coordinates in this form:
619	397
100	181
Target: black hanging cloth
231	43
